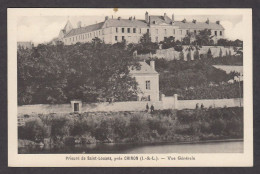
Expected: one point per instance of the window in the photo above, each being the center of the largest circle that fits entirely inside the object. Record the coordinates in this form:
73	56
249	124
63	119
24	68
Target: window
99	33
134	30
115	38
147	30
173	31
148	84
165	31
123	30
157	31
220	33
128	30
140	30
116	30
195	32
216	33
123	38
187	31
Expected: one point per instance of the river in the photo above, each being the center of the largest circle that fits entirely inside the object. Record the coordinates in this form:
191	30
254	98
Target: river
205	147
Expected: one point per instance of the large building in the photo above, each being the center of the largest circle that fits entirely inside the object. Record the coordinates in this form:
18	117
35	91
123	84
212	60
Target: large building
148	81
131	30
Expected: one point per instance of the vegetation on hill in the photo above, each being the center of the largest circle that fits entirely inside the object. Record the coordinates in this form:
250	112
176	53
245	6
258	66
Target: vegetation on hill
90	71
135	127
198	79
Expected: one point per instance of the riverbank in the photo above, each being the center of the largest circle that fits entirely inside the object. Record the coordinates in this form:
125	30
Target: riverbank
223	146
189	126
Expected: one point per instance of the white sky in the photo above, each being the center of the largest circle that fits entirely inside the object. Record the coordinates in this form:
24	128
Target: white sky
42	25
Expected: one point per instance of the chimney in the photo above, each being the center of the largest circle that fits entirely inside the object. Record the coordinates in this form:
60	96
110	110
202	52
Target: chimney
172	18
164	16
146	17
79	24
119	18
218	22
106	18
207	21
134	17
152	64
184	20
194	21
112	17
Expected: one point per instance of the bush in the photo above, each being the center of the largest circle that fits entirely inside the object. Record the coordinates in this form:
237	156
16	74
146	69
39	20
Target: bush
162	125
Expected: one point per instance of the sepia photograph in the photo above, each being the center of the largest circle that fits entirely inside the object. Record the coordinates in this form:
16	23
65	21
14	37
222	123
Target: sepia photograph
131	81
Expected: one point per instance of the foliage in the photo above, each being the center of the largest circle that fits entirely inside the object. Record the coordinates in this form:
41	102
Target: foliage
209	54
168	42
196	79
145	46
181	56
162	125
91	71
204	38
228	43
196	55
220	53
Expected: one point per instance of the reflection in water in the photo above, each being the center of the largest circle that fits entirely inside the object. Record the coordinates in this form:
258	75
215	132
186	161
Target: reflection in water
216	147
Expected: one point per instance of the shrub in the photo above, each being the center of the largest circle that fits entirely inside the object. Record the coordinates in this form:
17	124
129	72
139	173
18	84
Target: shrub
196	55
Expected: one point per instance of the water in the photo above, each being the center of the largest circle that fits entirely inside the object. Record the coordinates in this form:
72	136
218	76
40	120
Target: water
212	147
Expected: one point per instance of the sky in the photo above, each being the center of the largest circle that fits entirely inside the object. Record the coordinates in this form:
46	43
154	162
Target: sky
43	27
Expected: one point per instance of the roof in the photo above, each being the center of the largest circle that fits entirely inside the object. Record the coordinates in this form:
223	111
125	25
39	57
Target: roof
86	29
186	25
143	24
144	69
160	19
125	23
198	25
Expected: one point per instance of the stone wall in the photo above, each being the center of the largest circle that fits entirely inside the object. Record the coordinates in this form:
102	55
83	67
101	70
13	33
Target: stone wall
171	54
167	103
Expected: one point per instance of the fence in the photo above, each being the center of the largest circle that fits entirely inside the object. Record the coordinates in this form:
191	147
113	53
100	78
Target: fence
171	102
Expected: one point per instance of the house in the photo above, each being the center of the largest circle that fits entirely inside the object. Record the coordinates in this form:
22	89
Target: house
148	81
131	30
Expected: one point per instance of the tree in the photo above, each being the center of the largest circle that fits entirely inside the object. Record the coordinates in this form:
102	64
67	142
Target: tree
209	54
146	38
223	42
168	42
181	56
220	52
145	46
226	53
204	37
196	55
57	74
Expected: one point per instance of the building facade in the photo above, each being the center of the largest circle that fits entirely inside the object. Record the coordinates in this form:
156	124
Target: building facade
131	30
148	81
